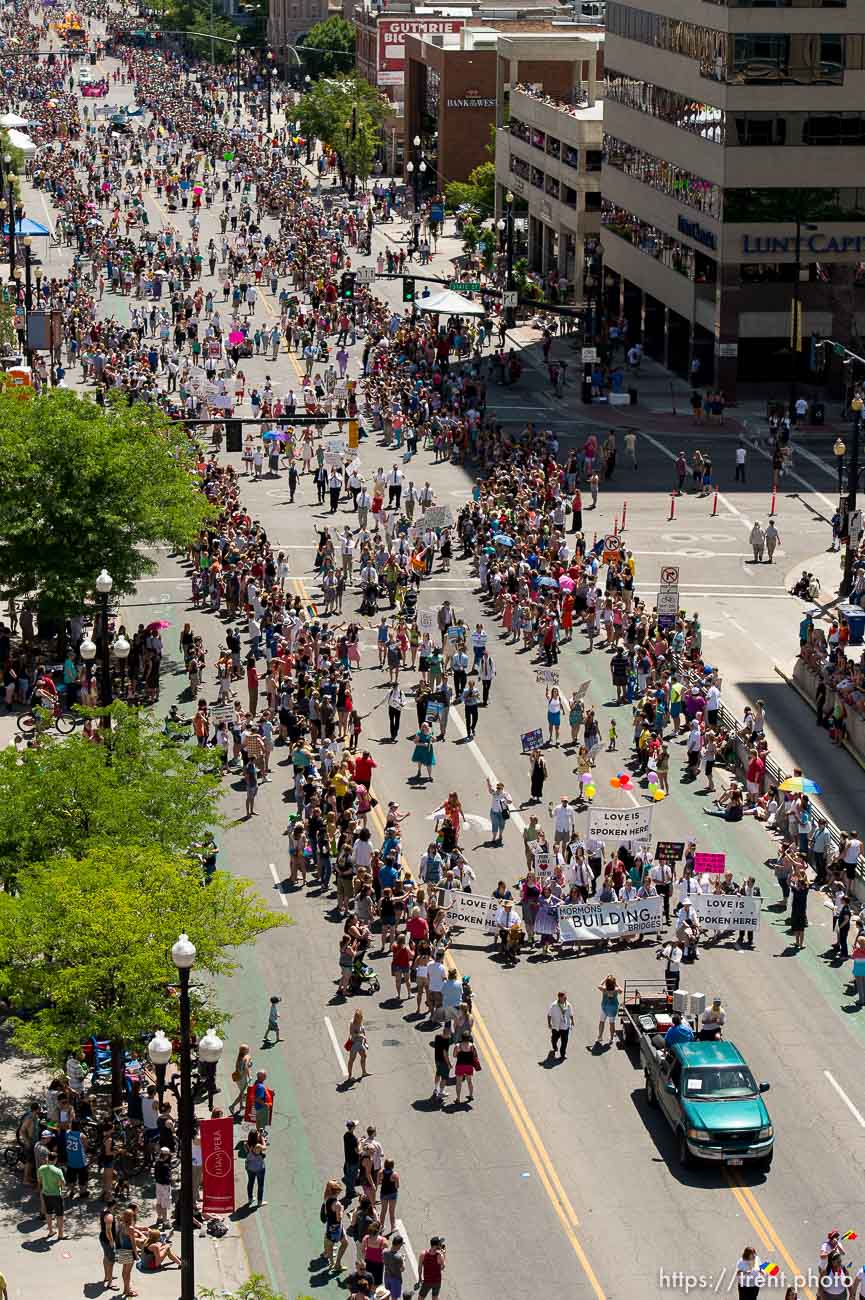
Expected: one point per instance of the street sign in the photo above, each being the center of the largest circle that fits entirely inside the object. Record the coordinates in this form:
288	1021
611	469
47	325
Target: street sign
590	354
670	575
366	275
437	213
509	298
465	286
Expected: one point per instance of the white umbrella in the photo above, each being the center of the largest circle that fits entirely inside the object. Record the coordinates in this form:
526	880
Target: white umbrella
450	304
12	119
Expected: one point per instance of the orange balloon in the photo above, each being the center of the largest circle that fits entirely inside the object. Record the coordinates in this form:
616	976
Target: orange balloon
615	782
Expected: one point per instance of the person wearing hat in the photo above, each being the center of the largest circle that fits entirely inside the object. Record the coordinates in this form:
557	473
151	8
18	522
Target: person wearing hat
713	1021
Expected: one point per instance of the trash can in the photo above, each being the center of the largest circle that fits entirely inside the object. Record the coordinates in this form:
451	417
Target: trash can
855	617
632	393
817	413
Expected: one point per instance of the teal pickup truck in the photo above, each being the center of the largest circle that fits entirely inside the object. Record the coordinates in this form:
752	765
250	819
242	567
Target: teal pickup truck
710	1100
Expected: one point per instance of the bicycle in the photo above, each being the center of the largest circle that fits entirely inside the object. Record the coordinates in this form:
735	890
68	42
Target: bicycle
39	720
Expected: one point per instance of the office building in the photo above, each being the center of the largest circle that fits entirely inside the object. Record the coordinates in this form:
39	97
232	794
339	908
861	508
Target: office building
733	222
549	150
289	19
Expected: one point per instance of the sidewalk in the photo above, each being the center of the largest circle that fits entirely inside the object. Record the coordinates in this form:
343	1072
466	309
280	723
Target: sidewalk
37	1265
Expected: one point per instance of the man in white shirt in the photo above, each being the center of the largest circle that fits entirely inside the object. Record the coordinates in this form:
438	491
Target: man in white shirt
565	822
662	875
436	976
689	886
346	546
713	704
560	1018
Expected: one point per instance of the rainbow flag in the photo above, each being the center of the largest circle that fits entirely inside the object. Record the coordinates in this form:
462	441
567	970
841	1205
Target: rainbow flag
311	611
771	1270
850	1236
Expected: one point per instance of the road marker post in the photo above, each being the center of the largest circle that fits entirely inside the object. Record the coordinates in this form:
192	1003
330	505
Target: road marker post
715	504
624	515
672	505
616	526
772	505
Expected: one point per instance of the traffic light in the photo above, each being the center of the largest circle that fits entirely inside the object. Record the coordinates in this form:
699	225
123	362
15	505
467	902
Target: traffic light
346	286
408	288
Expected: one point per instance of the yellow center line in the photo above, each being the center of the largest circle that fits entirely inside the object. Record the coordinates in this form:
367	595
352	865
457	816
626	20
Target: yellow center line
745	1196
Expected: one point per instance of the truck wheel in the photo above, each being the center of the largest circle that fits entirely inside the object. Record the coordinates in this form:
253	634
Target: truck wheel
651	1095
685	1157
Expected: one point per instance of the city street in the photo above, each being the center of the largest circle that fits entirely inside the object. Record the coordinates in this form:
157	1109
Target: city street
560	1174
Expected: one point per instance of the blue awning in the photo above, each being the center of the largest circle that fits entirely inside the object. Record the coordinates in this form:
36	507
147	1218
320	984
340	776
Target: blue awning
27	227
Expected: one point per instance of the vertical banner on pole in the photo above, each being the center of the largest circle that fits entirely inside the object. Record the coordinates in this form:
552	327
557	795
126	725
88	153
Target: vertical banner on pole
217	1157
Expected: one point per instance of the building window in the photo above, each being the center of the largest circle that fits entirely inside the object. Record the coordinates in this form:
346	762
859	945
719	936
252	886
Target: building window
664	176
705	120
656	243
552	187
537	177
554	148
570	156
593	200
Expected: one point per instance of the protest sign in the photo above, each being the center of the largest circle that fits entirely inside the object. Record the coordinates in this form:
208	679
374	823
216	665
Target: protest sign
621	825
437	517
426	620
581	690
591	922
549	675
333	459
669	852
473	911
726	911
456	634
532	740
714	864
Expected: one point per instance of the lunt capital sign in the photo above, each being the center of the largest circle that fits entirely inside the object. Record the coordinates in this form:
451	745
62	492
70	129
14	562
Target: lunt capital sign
820	242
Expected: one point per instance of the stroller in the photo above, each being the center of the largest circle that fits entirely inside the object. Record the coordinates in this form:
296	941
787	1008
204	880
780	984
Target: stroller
363	977
369	604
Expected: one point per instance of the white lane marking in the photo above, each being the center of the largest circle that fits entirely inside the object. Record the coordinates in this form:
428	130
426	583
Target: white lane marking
409	1253
340	1058
815	460
271	866
728	505
857	1114
799	479
750	637
478	756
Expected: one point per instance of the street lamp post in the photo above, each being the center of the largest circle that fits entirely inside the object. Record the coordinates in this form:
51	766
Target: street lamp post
121	648
104	583
509	256
856	406
416	170
28	296
269	69
7	212
237	67
209	1051
307	81
183	956
159	1050
796	318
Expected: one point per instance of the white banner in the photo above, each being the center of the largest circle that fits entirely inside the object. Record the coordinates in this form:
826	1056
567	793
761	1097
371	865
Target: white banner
473	910
590	922
621	825
727	911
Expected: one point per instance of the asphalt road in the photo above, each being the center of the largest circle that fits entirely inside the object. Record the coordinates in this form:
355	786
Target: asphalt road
558	1175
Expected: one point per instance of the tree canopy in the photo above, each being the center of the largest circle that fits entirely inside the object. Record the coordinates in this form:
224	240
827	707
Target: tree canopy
63	797
478	190
346	113
83	487
85	947
328	48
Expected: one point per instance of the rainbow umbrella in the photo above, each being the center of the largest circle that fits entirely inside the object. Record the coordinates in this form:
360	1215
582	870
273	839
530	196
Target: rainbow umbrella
800	785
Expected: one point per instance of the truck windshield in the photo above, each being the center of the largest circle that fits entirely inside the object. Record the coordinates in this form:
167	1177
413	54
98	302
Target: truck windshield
716	1084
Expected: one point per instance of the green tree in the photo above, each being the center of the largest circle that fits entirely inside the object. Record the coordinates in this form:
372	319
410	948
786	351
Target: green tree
62	797
346	113
256	1288
85	946
82	487
328	48
478	190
